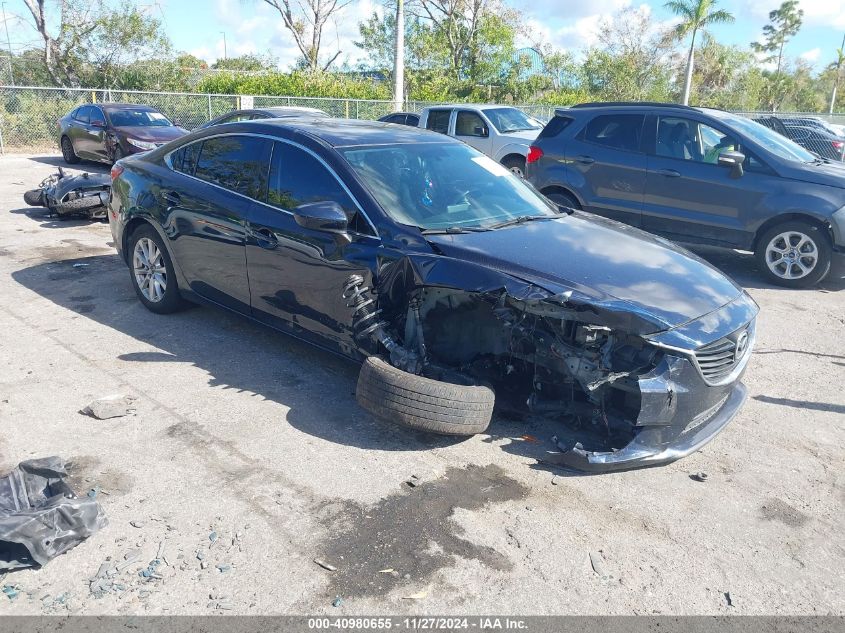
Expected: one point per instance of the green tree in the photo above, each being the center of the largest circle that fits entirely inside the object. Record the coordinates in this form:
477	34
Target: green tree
696	15
784	24
246	63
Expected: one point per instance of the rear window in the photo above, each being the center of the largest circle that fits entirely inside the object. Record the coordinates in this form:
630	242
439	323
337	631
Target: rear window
618	131
438	121
557	125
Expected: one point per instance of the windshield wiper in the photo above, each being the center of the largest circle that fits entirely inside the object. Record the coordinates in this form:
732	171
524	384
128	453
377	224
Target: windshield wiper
453	229
521	220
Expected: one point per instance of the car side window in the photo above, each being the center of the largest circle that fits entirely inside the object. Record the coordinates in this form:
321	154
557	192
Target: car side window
184	159
470	124
83	114
686	139
234	162
96	114
617	131
297	177
438	121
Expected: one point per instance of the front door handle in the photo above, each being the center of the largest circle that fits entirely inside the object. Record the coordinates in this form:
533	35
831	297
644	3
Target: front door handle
585	160
171	197
669	173
265	238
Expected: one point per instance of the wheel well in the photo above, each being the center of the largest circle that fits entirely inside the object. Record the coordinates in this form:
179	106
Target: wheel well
558	189
518	157
790	217
128	230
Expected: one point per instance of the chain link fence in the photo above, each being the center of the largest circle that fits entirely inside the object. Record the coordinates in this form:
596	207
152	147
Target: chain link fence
29	115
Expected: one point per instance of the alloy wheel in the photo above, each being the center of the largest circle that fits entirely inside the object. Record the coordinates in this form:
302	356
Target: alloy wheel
792	255
150	270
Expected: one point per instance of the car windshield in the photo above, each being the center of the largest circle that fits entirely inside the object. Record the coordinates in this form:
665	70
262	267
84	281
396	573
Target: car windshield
777	144
507	120
138	118
445	186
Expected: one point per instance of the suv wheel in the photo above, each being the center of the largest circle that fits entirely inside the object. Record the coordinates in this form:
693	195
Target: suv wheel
152	272
563	199
794	254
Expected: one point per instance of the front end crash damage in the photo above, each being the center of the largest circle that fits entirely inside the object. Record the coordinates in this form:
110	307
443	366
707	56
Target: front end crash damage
599	364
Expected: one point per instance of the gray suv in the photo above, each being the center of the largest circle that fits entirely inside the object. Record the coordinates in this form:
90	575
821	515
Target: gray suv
699	176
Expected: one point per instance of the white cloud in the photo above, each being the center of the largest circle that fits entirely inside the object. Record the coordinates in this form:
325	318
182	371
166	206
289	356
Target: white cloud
816	12
811	55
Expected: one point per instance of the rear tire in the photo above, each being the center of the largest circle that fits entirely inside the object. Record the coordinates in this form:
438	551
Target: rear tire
68	152
34	198
78	205
159	290
794	254
421	403
516	165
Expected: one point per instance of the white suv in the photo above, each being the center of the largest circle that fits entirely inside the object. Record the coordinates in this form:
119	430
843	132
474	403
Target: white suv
501	132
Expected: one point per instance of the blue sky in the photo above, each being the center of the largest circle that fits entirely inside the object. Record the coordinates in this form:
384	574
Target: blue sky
251	26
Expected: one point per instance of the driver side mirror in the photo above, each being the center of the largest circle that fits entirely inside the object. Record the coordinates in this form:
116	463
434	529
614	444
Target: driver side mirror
100	124
732	160
326	216
481	130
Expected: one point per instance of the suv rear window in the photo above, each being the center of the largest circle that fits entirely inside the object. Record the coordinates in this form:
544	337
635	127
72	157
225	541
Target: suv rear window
438	121
619	131
557	125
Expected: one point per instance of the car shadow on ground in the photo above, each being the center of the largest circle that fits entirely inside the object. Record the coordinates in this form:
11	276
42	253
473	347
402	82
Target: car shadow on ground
82	165
47	220
743	268
317	387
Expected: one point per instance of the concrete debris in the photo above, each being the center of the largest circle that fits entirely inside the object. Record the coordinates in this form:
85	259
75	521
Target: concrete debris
702	476
114	406
417	596
325	565
597	563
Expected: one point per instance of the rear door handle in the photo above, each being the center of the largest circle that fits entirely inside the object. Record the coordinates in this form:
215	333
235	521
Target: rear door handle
265	238
171	197
669	173
585	160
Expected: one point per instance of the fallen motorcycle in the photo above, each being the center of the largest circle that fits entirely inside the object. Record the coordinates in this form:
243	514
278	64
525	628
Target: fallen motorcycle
84	195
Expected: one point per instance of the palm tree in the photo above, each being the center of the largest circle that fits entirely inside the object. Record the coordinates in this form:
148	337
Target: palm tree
696	15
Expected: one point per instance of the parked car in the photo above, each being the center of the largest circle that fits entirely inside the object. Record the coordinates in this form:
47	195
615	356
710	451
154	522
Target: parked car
278	112
501	132
814	139
699	176
107	132
812	122
476	280
402	118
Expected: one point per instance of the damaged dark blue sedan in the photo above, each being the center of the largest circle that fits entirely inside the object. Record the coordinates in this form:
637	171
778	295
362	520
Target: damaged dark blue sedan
456	283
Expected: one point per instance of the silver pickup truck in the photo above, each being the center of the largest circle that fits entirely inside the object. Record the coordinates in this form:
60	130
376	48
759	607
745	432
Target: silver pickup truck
501	132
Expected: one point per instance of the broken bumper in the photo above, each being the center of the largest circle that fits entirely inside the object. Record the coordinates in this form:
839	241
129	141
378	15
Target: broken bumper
643	452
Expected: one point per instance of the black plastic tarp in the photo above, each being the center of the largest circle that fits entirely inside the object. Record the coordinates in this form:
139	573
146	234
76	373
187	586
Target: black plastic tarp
40	516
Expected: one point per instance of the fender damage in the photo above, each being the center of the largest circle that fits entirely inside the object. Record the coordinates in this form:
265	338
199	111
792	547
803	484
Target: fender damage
599	364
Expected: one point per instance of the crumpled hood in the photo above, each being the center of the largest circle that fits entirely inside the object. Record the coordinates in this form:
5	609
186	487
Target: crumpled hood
603	260
152	134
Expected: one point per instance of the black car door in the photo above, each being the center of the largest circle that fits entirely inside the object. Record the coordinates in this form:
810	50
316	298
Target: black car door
207	201
297	275
96	134
77	131
608	168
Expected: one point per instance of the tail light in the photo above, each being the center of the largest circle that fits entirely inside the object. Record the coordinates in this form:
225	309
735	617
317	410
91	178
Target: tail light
534	154
838	145
116	170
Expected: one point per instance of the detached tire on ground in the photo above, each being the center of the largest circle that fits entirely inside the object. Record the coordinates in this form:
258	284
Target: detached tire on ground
421	403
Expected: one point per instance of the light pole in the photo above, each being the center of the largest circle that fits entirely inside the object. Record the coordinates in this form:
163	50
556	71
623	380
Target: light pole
399	58
224	44
9	44
840	56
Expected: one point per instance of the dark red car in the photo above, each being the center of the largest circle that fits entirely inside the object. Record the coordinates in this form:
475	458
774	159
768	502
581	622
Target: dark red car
107	132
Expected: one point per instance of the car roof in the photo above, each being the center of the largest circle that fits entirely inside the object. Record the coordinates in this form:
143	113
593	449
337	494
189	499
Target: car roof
471	106
124	106
348	132
283	109
639	105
